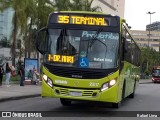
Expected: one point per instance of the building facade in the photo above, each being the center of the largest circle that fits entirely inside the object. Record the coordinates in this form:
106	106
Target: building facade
115	7
6	23
5	33
142	38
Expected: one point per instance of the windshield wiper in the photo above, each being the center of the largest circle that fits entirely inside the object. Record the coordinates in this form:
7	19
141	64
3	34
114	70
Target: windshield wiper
60	40
95	37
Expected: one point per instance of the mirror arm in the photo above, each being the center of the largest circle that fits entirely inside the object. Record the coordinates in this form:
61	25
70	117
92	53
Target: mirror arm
37	39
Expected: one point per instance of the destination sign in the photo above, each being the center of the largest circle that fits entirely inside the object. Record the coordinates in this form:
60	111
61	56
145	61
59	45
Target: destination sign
99	21
61	58
84	19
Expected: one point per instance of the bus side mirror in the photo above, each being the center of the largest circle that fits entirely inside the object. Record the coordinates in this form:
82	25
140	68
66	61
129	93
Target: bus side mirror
41	38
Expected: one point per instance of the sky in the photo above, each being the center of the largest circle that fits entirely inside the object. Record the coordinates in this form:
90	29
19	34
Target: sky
136	13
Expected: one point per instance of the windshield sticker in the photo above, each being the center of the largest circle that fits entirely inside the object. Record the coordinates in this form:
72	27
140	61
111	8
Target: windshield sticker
83	54
95	64
77	39
61	58
102	60
83	62
102	35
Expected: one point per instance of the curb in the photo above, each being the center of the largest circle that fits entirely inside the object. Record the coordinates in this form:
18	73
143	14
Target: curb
146	82
19	97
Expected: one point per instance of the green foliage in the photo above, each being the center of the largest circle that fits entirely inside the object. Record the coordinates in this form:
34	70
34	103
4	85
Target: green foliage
76	5
62	5
84	5
15	78
150	57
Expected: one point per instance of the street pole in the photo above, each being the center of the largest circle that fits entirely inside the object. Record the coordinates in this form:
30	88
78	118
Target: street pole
150	13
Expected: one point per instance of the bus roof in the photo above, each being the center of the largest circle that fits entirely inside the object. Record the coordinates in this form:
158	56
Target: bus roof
85	12
156	67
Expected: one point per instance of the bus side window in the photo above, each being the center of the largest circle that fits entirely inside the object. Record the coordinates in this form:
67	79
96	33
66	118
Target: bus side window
124	49
124	45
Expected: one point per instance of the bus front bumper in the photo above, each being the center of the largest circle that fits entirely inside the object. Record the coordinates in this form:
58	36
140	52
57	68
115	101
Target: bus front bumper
156	79
109	95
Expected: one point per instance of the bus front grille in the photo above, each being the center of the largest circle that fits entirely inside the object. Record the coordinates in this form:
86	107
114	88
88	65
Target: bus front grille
85	93
78	73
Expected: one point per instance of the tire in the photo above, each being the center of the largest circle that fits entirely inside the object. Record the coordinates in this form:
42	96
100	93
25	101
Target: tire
132	95
65	102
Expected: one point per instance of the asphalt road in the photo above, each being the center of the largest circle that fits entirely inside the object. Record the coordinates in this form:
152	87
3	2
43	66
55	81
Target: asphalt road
147	98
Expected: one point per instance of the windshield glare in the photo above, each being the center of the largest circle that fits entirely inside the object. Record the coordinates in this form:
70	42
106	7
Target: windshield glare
156	72
82	48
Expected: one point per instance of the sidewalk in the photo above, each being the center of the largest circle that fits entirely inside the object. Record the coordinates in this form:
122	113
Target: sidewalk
15	91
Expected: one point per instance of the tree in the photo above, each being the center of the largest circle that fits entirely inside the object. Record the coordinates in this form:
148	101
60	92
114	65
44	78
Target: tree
84	5
31	13
153	59
75	5
62	5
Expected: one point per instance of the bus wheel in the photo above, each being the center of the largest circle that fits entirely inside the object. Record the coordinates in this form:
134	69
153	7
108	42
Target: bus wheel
65	102
116	105
132	95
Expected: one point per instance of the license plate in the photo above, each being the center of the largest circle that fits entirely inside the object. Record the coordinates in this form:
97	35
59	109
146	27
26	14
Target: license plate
75	93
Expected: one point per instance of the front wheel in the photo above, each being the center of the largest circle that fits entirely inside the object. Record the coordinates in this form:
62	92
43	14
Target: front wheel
65	102
132	95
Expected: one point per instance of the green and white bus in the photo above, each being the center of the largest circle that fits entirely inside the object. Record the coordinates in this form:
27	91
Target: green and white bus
88	56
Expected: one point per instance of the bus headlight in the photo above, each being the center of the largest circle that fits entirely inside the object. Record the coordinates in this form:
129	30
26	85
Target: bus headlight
49	82
107	85
112	82
45	77
104	86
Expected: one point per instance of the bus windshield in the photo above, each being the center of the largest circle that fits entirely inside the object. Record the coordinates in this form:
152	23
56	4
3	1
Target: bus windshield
156	72
82	48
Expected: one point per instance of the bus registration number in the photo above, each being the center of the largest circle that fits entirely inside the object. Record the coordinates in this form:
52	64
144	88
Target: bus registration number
75	93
